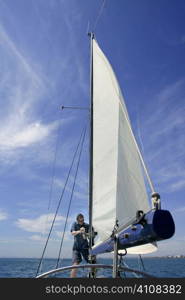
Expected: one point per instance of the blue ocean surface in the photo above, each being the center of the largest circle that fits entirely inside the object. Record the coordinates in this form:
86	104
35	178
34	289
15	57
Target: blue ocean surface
27	267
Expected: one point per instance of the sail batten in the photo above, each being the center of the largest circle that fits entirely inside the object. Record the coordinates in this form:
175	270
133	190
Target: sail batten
118	183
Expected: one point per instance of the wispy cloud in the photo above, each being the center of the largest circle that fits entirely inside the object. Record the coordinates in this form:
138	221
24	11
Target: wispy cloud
3	215
29	135
167	109
40	224
22	86
164	130
25	86
81	185
56	237
20	57
179	185
180	209
67	237
81	82
37	238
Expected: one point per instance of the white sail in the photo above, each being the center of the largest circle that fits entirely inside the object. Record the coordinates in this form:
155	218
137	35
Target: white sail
142	249
118	184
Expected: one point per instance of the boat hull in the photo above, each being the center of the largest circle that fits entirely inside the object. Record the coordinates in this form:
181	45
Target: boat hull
158	225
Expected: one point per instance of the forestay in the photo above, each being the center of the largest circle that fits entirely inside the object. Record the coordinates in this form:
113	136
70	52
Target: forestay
118	184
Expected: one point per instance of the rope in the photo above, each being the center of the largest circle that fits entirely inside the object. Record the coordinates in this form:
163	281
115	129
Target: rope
61	244
134	273
59	203
142	263
121	263
99	15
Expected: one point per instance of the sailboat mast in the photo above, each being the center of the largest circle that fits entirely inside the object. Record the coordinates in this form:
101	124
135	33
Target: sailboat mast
91	140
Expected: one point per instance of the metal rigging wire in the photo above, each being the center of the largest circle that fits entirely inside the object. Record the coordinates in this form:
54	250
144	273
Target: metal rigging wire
53	168
79	142
142	263
72	192
52	179
99	15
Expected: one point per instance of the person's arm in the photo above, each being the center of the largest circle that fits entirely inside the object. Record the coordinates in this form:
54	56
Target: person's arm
82	230
75	232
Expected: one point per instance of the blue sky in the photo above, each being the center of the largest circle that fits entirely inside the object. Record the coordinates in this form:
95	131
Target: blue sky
44	63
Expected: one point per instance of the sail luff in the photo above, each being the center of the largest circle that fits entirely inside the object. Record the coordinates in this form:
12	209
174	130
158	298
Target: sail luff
91	140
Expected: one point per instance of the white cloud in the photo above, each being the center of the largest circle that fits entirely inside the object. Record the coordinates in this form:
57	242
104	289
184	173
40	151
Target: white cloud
3	215
58	236
37	238
40	224
67	236
170	91
32	133
23	88
81	186
180	209
176	186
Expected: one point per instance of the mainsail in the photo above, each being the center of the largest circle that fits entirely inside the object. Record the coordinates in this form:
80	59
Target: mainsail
118	184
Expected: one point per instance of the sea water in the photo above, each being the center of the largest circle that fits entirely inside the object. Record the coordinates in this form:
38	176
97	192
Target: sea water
27	267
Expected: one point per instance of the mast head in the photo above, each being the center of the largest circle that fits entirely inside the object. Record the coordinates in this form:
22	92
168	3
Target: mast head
91	35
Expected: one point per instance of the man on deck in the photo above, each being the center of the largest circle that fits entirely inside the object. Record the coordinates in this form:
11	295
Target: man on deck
156	201
79	230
